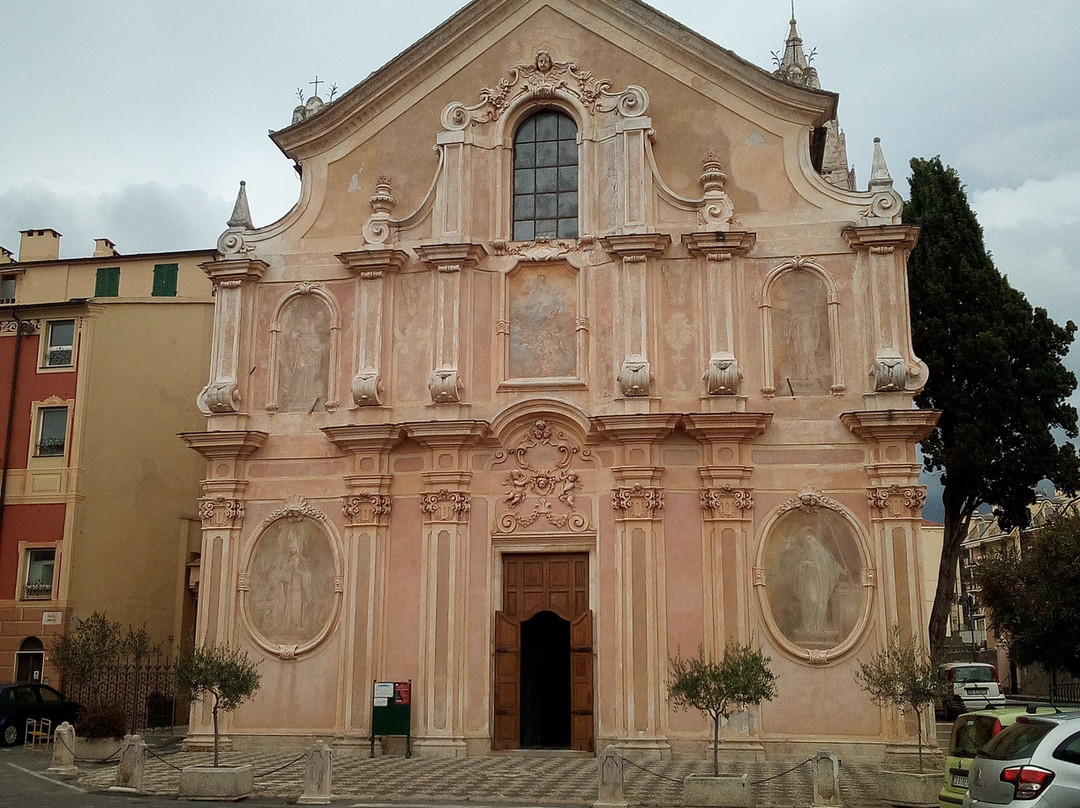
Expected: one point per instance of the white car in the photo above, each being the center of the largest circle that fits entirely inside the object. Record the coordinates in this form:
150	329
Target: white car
972	686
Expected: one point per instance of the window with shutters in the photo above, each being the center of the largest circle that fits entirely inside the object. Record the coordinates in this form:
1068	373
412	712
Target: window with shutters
165	280
108	282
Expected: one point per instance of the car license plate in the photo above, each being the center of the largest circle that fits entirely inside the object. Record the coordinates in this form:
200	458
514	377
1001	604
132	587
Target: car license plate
977	691
959	781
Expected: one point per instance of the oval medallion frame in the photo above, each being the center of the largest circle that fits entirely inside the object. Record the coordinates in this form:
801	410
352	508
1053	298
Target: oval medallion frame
291	583
815	579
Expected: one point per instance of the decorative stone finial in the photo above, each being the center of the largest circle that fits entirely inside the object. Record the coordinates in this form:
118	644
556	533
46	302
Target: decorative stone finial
241	215
382	201
716	208
377	227
879	172
712	177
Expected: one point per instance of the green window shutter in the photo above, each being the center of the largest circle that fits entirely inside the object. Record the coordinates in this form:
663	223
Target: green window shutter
108	282
165	280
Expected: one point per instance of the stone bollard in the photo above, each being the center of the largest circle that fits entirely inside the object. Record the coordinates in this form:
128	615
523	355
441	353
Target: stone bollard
129	772
63	757
318	788
611	780
826	779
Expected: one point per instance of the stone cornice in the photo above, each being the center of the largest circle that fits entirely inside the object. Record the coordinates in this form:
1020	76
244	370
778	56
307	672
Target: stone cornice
903	236
373	263
450	256
735	241
235	269
636	245
441	434
230	444
364	438
718	427
636	427
891	425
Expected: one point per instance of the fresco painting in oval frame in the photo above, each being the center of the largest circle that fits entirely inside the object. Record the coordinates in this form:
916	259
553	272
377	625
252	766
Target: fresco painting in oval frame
814	580
291	583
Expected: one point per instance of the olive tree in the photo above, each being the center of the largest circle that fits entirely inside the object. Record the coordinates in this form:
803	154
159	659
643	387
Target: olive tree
903	675
720	689
228	676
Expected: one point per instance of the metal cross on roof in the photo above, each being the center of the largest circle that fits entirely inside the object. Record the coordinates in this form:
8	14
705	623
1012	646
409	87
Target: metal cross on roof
316	83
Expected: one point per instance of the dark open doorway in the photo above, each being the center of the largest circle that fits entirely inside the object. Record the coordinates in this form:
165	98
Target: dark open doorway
545	682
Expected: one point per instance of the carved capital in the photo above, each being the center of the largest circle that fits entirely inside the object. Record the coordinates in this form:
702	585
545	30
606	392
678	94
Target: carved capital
722	375
367	388
898	502
365	509
634	376
445	506
444	385
726	502
221	512
637	502
223	396
890	374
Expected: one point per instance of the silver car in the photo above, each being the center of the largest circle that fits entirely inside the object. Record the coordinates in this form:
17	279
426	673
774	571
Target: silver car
1035	763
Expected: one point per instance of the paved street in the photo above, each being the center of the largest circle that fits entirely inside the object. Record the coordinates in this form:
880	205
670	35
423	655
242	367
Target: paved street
496	780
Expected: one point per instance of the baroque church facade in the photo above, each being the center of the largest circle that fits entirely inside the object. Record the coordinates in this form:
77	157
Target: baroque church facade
572	356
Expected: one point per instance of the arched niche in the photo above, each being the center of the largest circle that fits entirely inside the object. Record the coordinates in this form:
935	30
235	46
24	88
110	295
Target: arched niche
305	336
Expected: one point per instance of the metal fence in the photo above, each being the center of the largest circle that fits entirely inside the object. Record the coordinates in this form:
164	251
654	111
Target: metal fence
144	691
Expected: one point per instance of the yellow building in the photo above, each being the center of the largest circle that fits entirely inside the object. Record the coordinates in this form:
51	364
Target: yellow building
101	358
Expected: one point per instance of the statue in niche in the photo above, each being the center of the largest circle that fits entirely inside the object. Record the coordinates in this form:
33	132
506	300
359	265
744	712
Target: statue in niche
813	578
291	589
303	355
543	319
802	345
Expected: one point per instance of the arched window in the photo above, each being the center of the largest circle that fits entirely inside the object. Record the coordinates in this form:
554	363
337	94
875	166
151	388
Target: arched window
546	177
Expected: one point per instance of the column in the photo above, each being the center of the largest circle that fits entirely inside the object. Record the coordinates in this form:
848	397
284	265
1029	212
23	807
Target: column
451	307
440	698
721	290
221	509
637	499
222	393
727	503
372	268
631	315
366	509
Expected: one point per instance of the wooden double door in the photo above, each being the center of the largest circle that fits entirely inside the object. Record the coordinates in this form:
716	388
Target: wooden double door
544	679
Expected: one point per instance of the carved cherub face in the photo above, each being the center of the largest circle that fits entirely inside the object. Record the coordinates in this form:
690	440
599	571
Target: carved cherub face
543	61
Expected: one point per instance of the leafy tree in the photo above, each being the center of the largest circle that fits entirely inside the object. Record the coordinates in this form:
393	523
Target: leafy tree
227	675
904	676
995	374
1032	599
721	688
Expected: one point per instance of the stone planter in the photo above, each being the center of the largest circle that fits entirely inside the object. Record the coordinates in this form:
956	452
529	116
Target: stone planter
725	791
222	783
909	789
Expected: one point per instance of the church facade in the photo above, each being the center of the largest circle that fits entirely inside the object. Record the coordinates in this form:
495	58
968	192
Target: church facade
568	360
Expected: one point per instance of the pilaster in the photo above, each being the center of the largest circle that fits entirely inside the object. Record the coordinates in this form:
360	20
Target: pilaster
366	510
637	500
221	510
721	252
450	262
727	506
630	317
895	501
374	296
222	393
444	588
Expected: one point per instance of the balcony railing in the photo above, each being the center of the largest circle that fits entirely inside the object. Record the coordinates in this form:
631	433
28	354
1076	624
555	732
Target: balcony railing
37	590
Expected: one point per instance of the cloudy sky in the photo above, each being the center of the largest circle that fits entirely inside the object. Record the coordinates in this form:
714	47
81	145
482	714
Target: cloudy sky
137	120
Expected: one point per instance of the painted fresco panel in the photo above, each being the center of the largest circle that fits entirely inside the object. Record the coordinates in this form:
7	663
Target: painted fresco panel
802	346
543	315
303	354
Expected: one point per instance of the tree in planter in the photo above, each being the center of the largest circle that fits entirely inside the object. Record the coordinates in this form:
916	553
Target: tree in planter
903	675
227	675
720	689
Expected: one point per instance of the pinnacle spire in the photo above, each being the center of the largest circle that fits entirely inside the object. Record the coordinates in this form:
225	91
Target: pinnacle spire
241	215
879	172
794	65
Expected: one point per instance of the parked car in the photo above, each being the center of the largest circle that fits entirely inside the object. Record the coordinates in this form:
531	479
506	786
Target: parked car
970	732
972	686
1035	763
22	700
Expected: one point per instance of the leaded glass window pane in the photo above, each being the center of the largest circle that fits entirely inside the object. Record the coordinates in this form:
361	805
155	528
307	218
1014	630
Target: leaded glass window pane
546	177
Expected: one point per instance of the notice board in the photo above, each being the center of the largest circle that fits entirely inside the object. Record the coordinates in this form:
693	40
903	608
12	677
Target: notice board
391	712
